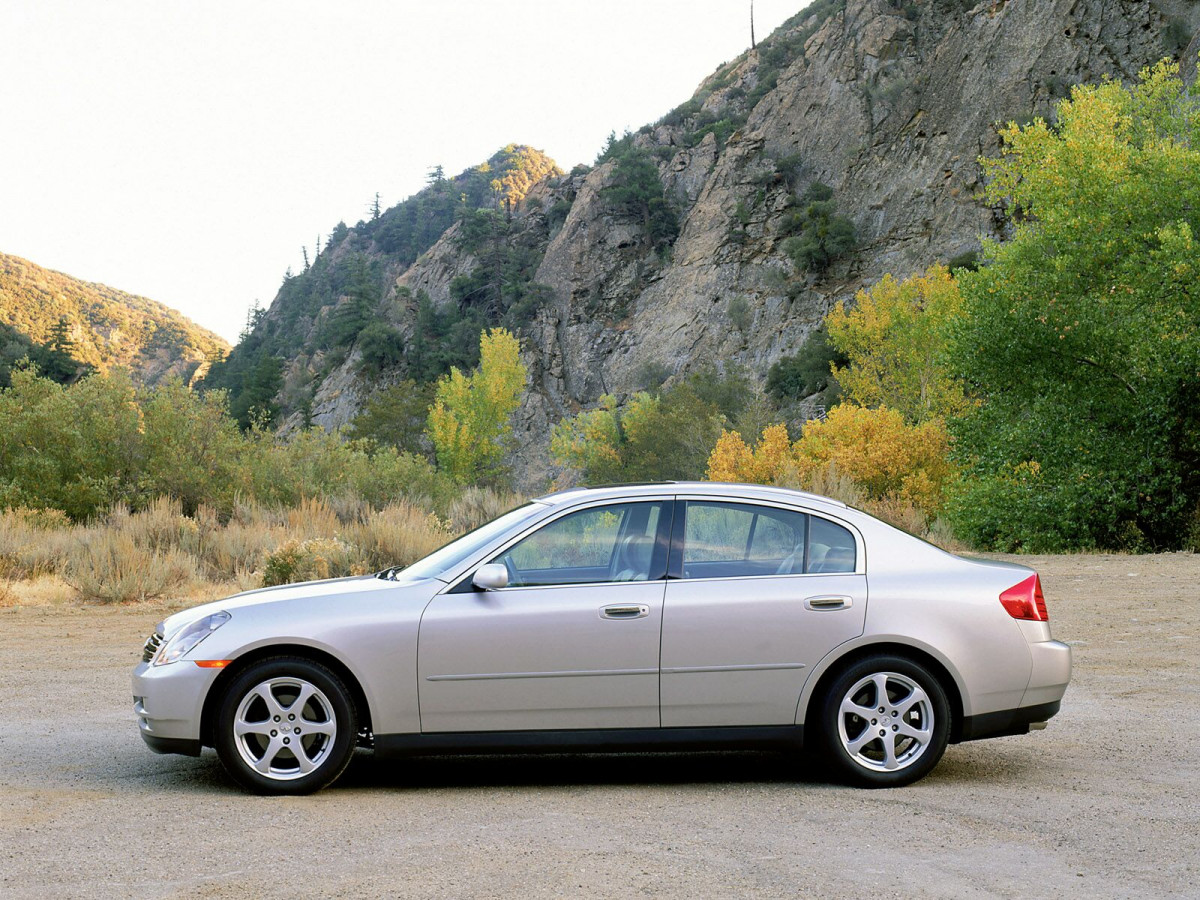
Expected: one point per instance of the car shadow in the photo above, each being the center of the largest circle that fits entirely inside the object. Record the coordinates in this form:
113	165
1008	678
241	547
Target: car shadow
579	769
981	764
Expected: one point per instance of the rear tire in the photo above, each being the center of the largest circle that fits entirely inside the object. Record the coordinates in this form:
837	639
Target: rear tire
884	722
286	726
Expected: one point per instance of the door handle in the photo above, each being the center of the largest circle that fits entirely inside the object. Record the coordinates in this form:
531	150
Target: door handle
828	601
624	612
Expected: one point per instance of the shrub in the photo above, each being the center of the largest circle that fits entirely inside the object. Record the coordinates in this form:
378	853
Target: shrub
888	461
310	560
740	314
107	566
808	372
476	506
396	536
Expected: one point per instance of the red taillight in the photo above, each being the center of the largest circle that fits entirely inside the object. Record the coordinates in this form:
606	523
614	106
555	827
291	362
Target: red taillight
1025	600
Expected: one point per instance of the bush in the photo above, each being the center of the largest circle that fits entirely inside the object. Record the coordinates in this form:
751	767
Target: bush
888	461
808	372
312	560
397	535
107	566
476	506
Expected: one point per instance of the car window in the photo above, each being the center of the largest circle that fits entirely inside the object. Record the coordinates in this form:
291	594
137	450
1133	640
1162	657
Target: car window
830	547
601	544
731	540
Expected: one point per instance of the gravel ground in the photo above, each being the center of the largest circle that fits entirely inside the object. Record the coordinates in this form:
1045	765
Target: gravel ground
1104	803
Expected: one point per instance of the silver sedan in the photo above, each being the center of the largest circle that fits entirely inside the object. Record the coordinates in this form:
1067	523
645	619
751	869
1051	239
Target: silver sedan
661	616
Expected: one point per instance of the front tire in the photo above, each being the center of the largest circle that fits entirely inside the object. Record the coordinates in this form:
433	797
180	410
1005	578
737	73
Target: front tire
885	722
286	726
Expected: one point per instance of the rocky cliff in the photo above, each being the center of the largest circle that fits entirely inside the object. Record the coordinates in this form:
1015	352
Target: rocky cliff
889	104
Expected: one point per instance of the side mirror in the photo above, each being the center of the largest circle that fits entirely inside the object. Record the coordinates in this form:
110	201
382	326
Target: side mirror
490	577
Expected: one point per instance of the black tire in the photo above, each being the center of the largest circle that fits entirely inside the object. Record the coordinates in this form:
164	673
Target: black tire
274	742
917	736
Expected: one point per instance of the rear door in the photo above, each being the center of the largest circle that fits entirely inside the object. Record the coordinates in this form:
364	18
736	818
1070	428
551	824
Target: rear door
571	643
757	595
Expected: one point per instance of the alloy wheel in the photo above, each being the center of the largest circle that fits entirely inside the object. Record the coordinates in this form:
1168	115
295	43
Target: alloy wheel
885	722
285	728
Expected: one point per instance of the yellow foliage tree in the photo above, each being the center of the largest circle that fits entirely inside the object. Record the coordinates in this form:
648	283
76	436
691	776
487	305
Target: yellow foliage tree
886	458
469	421
895	336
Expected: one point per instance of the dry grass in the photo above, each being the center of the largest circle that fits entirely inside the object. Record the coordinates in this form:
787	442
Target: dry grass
159	553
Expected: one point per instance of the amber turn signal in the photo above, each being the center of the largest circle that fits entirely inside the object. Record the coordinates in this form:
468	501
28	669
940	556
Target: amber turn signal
213	663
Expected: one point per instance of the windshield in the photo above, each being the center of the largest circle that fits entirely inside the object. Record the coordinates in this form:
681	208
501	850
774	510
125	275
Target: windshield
442	560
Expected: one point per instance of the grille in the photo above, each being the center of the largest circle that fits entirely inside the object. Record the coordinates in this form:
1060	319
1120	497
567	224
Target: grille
152	644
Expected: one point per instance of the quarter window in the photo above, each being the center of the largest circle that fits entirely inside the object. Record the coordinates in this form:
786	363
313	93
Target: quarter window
601	544
734	540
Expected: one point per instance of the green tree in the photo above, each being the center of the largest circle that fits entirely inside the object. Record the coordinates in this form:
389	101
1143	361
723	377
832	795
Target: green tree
822	236
1080	335
76	448
381	347
193	449
637	191
808	372
469	423
657	437
396	417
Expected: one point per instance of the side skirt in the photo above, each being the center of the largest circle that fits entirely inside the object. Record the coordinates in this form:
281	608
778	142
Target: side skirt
764	737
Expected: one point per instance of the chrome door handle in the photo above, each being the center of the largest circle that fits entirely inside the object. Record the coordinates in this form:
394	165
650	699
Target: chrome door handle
828	601
624	612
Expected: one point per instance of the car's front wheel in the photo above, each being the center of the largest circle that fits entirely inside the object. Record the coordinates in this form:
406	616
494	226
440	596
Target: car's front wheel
885	722
286	726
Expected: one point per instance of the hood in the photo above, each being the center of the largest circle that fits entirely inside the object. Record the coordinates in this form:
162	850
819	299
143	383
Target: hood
307	590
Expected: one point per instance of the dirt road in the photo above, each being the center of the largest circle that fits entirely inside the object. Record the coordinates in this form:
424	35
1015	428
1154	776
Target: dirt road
1104	803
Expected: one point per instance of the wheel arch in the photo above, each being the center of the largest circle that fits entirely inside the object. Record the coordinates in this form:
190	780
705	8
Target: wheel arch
833	667
216	691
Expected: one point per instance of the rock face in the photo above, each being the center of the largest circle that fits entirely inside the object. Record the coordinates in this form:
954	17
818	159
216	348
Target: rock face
890	104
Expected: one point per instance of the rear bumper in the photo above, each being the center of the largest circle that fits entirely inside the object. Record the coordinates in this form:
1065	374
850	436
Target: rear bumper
1006	721
1048	680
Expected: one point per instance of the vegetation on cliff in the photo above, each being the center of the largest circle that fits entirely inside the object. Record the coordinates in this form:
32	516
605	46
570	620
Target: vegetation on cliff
97	326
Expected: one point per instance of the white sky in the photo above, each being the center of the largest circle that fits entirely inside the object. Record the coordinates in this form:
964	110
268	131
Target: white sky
187	150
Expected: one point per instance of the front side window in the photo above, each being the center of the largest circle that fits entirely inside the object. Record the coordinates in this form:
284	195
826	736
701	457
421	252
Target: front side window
735	540
612	543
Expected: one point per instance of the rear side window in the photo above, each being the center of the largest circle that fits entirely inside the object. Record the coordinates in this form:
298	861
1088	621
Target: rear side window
830	547
735	540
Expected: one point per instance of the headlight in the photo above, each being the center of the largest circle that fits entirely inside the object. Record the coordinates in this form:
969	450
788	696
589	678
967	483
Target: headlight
184	641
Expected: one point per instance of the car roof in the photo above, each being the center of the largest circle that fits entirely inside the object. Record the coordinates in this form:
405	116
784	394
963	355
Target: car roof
725	490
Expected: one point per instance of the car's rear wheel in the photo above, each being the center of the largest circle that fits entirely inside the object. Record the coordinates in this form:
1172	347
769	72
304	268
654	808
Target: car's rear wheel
286	726
885	722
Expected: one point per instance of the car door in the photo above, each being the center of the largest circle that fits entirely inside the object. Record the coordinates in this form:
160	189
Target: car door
570	643
757	595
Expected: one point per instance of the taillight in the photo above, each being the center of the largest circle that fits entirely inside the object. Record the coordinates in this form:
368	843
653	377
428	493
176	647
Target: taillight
1025	600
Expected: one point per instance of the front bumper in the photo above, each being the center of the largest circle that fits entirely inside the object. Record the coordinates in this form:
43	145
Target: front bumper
168	702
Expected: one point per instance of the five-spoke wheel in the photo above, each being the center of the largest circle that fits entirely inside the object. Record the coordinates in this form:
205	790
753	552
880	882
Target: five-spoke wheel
286	726
885	721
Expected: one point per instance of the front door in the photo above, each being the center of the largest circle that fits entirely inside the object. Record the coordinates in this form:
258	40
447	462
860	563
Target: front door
571	643
759	594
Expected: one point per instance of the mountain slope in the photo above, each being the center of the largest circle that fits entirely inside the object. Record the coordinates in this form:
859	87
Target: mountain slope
843	147
107	327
